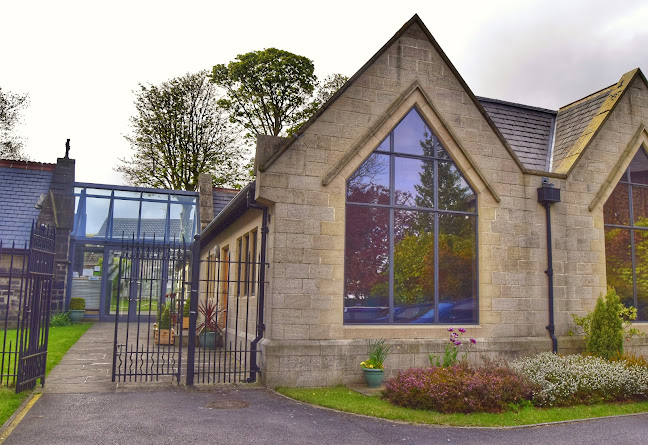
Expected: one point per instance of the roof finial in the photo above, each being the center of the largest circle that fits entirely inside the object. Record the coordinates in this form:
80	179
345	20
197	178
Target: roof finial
67	149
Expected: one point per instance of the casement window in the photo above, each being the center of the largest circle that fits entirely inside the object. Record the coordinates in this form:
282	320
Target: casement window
411	234
625	216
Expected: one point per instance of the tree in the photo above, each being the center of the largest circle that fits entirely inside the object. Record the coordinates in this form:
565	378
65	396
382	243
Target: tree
178	133
11	105
272	91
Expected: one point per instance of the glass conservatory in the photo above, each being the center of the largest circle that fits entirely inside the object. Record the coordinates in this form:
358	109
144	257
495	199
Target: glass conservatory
105	217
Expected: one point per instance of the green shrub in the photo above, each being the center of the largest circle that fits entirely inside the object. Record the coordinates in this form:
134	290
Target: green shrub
60	319
578	379
165	318
459	389
77	304
187	308
606	327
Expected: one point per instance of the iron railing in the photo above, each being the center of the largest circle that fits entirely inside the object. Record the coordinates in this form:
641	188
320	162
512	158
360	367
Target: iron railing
26	278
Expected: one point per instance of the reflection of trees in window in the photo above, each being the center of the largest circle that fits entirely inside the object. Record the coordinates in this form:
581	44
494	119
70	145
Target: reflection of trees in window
391	201
626	238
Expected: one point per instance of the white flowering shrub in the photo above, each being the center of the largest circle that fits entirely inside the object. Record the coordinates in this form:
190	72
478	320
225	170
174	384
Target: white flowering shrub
582	379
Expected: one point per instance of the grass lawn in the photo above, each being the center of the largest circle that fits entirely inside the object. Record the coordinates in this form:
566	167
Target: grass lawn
344	399
60	340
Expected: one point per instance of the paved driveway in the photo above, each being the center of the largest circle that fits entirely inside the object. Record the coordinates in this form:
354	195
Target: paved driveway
259	416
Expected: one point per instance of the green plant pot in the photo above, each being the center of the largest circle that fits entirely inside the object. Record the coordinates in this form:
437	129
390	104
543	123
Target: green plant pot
208	339
373	377
77	315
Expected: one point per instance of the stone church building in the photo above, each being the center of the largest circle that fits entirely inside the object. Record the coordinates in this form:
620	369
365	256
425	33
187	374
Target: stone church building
408	205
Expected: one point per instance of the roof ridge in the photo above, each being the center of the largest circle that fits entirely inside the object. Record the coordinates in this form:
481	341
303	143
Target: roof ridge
26	165
515	104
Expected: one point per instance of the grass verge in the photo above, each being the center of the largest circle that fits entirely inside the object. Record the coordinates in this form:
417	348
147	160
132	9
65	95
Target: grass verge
60	340
344	399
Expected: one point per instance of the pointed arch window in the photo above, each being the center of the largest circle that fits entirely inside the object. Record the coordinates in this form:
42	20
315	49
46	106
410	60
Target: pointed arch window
411	234
625	216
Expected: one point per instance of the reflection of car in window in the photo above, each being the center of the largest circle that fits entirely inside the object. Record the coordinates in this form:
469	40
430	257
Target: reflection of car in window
361	314
462	311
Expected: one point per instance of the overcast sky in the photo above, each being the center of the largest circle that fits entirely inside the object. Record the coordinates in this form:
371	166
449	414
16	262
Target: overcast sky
80	61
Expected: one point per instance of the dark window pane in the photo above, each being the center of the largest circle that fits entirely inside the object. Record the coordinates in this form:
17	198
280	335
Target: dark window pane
413	136
413	267
370	182
125	218
441	151
154	218
366	257
384	145
95	218
182	222
618	263
457	269
617	208
156	196
127	194
454	191
641	273
639	168
87	274
100	192
414	182
640	206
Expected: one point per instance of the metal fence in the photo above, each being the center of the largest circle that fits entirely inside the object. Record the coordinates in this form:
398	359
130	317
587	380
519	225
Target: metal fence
228	308
178	315
26	277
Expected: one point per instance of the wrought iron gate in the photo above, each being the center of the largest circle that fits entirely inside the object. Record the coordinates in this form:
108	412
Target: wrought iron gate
26	277
178	314
148	300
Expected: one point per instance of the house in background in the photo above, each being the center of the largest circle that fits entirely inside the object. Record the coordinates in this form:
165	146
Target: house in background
35	193
407	205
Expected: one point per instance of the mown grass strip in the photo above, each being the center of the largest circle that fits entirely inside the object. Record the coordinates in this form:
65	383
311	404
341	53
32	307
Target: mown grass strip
343	399
60	340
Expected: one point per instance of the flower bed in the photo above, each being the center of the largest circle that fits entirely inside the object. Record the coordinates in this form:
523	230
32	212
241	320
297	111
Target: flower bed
582	379
459	389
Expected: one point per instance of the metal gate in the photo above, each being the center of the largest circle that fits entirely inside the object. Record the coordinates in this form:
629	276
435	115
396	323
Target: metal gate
148	298
26	276
179	315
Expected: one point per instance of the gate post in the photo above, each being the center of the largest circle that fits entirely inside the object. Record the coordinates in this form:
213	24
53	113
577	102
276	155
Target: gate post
193	309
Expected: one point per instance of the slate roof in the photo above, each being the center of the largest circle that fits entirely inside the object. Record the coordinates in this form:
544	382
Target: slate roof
221	198
528	130
21	185
149	226
572	121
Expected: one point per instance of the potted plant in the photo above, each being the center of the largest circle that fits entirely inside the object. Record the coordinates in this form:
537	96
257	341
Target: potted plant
209	329
77	308
164	333
373	368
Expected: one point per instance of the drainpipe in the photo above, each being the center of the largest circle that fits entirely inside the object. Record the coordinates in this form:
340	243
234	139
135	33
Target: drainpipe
254	367
547	195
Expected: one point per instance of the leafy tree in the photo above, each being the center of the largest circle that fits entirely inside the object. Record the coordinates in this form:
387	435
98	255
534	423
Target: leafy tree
178	133
272	91
11	105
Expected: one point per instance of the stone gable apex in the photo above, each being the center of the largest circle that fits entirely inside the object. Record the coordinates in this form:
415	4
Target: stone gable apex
414	29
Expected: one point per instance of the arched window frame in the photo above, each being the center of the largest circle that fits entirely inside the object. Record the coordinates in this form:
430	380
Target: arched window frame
440	155
625	216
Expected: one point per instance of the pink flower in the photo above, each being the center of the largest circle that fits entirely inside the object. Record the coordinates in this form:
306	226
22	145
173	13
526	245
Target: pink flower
449	329
462	330
457	342
473	341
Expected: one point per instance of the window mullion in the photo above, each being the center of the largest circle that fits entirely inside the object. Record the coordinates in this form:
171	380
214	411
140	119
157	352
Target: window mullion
632	247
436	242
392	184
